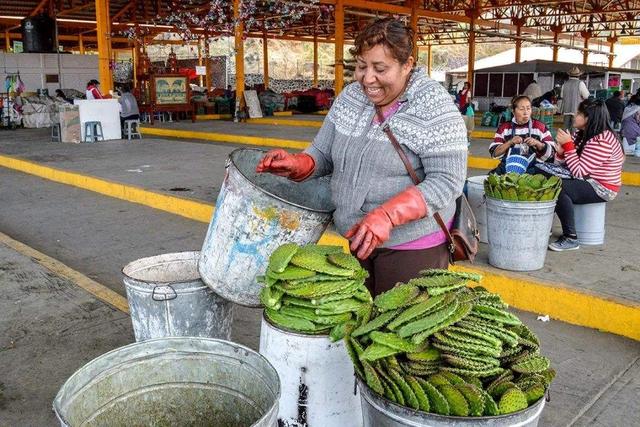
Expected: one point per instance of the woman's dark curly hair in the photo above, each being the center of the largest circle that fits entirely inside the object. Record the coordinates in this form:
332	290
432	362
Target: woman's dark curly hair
389	32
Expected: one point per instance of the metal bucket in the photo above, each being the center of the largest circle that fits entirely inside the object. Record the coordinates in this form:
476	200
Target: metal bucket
589	221
256	213
475	195
167	298
518	233
380	412
179	381
316	377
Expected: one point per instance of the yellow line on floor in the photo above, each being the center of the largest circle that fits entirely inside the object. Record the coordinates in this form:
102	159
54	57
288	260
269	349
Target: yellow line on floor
286	122
283	113
483	134
560	302
176	205
224	137
213	116
94	288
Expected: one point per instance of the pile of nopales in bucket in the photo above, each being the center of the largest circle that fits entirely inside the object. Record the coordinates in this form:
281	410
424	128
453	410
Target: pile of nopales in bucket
522	188
434	344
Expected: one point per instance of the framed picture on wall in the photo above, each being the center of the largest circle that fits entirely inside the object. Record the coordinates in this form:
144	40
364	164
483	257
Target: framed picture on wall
171	89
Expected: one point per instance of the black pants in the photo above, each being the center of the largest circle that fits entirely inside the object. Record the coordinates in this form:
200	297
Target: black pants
574	192
387	267
131	117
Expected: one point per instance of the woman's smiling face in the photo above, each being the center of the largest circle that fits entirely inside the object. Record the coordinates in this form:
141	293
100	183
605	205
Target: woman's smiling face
381	75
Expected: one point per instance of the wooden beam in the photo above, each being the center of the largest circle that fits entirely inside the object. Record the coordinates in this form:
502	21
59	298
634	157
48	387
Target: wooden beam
7	42
518	44
472	54
74	9
339	47
122	11
429	60
103	33
586	35
239	45
39	7
414	28
612	43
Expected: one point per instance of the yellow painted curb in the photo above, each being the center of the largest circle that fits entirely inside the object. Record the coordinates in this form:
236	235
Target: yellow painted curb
483	134
283	113
578	308
563	303
213	116
286	122
176	205
321	112
481	162
224	137
94	288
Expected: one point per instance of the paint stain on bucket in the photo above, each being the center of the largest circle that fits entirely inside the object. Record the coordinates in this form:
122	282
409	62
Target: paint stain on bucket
289	220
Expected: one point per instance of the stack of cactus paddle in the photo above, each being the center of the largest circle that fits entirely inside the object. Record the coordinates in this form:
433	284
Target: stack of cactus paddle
436	345
315	289
522	188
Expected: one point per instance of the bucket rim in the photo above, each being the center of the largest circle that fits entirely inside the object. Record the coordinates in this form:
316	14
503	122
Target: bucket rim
187	256
291	331
369	394
274	373
476	181
231	161
523	202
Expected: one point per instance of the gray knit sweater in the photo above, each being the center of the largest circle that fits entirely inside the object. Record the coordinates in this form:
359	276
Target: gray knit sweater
365	169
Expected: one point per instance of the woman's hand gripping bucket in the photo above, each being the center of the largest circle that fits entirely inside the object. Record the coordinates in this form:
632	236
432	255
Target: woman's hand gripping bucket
518	163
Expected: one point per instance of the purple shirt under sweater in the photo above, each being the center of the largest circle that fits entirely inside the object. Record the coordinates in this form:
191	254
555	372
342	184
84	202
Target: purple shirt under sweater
425	242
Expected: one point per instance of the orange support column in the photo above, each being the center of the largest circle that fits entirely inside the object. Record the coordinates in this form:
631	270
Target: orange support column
557	29
612	42
239	45
7	42
200	62
429	60
81	44
103	32
339	63
414	27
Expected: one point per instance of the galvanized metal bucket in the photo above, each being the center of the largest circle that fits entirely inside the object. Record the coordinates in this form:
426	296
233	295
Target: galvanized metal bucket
316	377
590	223
380	412
256	213
518	233
167	298
178	381
475	195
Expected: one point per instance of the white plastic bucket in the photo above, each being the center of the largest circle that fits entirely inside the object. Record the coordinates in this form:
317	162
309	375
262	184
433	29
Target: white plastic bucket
316	377
589	220
475	195
518	233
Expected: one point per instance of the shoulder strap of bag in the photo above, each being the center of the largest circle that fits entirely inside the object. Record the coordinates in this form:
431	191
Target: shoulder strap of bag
386	129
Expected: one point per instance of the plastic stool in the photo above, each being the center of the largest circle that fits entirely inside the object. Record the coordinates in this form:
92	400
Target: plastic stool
93	132
129	126
55	133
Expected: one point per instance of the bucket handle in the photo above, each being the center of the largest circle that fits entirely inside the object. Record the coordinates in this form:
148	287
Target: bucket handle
163	297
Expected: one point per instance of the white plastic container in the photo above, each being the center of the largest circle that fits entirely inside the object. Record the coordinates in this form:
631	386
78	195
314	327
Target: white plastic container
589	221
475	195
316	378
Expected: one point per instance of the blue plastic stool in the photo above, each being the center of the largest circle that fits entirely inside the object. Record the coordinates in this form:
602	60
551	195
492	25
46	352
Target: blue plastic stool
93	132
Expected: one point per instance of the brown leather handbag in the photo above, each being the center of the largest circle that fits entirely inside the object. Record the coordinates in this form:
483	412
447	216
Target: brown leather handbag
464	235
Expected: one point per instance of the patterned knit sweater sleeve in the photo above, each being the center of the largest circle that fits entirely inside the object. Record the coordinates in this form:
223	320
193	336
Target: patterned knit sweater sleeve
433	129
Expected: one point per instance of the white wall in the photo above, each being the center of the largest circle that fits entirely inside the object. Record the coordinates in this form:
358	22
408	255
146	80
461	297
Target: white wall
75	70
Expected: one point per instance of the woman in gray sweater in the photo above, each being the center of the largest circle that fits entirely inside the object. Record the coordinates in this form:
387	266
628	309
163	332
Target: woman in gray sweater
388	220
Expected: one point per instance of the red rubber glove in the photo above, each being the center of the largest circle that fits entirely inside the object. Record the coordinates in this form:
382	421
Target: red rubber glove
296	167
375	228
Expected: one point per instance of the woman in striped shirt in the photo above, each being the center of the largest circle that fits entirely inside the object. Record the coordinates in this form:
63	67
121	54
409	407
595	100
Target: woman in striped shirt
523	135
594	157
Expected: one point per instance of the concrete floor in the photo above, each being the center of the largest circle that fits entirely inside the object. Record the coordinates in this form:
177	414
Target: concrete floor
56	327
